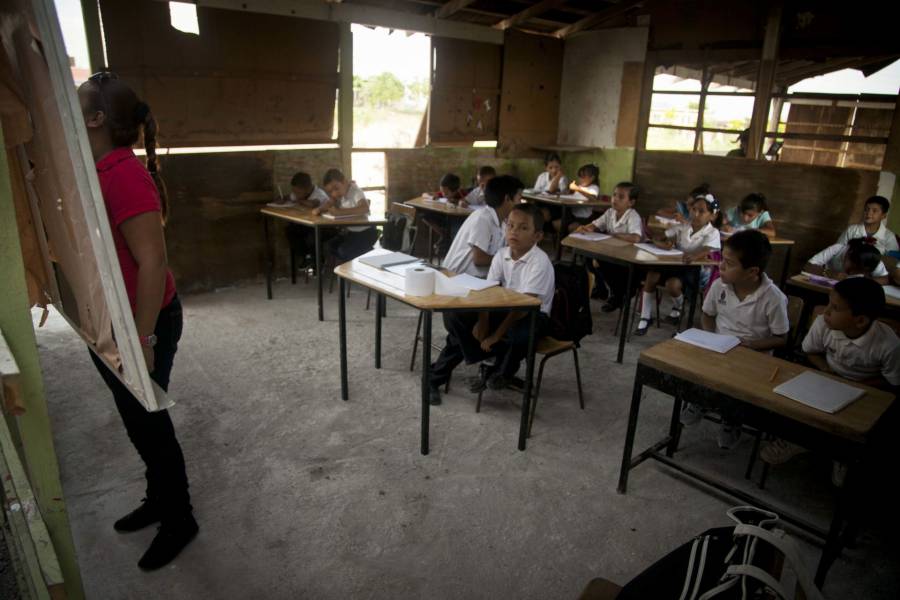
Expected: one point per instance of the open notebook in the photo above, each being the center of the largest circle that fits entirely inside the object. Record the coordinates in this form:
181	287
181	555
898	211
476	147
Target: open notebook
391	259
818	391
708	340
653	249
591	237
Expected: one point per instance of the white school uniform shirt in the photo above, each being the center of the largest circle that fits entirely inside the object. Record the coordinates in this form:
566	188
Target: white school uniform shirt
482	229
629	222
352	199
876	352
531	274
583	212
318	194
833	258
688	241
885	240
475	198
760	315
543	183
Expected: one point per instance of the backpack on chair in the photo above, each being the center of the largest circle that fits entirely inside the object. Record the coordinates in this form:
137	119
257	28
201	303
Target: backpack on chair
570	315
392	235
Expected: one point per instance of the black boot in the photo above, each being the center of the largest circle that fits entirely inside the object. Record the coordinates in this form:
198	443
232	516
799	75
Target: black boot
170	540
143	516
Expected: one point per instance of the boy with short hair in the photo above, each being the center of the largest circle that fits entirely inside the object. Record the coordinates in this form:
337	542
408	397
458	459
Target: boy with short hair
521	266
620	221
308	195
481	234
475	198
856	258
849	341
743	302
875	212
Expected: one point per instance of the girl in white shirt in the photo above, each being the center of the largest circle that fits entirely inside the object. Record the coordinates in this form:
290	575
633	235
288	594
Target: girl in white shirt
696	240
551	181
587	186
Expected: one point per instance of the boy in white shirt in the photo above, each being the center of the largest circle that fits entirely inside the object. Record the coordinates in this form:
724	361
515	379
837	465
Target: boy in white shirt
856	258
345	199
849	341
481	234
521	266
623	222
744	303
475	198
308	195
875	212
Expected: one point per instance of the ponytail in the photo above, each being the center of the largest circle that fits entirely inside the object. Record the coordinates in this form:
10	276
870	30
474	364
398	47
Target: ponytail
151	129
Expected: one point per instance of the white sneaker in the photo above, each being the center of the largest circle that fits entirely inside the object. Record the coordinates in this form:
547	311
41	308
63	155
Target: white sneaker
779	451
729	436
691	414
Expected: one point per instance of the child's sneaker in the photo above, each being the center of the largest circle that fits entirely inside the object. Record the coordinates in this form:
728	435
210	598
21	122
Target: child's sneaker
729	436
691	414
779	451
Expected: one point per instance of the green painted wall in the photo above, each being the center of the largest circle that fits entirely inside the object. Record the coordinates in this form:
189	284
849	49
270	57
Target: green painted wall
39	456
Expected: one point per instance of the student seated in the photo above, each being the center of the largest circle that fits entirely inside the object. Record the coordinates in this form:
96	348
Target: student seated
751	213
345	199
475	198
696	240
849	341
448	189
481	235
588	186
621	221
875	212
744	303
682	209
308	195
476	336
551	181
858	258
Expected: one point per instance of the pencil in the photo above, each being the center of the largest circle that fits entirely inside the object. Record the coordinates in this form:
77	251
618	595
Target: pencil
774	374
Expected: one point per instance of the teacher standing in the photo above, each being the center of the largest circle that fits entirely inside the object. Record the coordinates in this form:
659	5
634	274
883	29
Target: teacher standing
135	201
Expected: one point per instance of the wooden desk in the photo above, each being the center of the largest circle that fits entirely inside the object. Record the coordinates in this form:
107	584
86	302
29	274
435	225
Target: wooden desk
491	299
442	208
785	243
565	204
304	216
624	253
739	380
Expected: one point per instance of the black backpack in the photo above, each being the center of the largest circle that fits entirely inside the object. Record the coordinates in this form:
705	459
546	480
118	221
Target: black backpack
393	231
570	316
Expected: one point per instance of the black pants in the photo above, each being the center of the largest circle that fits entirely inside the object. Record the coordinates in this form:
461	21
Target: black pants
152	433
462	345
349	244
612	275
303	240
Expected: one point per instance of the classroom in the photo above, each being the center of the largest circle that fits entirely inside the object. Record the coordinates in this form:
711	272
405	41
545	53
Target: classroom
550	299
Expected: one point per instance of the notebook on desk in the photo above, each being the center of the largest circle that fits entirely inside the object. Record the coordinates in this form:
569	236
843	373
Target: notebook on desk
340	217
391	259
708	340
819	392
653	249
591	237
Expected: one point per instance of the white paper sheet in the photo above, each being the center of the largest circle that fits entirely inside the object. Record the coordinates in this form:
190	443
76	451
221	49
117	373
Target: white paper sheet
287	204
578	197
591	237
665	220
474	283
654	249
892	291
446	286
340	217
708	340
819	392
383	261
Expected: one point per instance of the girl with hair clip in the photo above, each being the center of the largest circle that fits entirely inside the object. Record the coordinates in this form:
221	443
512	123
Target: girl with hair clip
751	213
696	240
681	212
135	199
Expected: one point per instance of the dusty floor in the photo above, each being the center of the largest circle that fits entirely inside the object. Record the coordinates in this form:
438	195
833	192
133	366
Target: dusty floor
301	495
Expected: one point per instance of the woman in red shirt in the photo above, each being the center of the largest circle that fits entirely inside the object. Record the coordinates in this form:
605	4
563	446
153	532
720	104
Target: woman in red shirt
136	205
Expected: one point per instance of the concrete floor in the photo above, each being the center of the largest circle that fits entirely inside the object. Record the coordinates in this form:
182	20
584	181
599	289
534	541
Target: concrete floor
301	495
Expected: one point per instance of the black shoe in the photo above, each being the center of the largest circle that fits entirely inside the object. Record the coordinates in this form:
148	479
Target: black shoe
497	382
600	292
434	396
170	540
477	384
643	331
612	305
143	516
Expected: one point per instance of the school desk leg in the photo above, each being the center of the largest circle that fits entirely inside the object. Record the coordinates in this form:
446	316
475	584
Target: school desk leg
632	427
319	276
563	230
833	541
674	426
379	300
787	265
626	308
342	320
426	377
693	309
270	256
529	374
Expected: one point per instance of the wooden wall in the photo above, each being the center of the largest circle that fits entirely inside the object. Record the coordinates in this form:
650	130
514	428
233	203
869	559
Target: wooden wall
810	204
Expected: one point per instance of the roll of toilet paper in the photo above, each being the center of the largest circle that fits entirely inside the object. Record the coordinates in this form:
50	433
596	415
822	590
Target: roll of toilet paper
419	281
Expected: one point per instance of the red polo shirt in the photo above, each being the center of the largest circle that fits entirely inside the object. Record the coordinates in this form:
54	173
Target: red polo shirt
128	191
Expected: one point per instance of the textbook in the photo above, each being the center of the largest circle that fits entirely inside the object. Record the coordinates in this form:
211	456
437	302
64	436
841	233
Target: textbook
653	249
819	392
391	259
708	340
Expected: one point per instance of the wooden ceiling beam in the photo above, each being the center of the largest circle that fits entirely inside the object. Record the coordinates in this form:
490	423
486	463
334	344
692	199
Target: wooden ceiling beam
528	14
449	8
597	18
